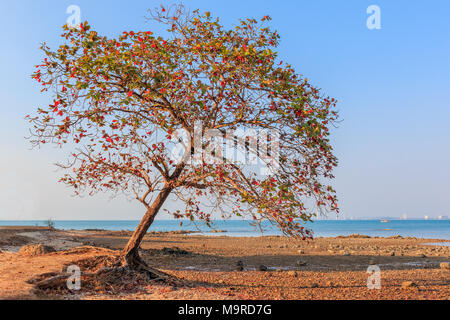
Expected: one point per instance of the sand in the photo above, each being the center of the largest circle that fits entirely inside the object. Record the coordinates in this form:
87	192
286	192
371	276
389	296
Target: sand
325	268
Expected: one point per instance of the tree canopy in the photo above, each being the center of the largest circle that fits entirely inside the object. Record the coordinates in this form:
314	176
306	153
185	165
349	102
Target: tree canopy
117	103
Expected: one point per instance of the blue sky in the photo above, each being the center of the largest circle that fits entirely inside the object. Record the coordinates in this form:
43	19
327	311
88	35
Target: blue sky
392	84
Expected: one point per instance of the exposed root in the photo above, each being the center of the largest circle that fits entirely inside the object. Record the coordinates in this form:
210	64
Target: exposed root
105	274
134	262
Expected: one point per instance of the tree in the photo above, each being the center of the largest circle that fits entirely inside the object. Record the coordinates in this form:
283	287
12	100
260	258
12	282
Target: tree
120	104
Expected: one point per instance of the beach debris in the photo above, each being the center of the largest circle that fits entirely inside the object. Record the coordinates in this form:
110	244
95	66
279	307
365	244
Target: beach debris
300	263
445	265
355	235
262	268
174	251
293	273
395	237
35	249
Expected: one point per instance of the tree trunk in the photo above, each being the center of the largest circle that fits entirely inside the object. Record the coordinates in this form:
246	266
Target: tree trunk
130	252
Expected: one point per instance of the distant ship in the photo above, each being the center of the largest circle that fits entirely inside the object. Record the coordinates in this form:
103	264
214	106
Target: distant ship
384	220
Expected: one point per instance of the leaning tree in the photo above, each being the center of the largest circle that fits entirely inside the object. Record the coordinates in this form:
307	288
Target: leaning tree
120	103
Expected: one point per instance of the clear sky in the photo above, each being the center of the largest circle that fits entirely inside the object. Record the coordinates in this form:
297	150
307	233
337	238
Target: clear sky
393	87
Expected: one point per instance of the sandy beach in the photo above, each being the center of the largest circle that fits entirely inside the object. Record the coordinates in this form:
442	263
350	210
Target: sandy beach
221	267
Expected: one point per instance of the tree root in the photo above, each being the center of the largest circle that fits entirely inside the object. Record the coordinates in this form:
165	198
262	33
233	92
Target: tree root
134	262
121	274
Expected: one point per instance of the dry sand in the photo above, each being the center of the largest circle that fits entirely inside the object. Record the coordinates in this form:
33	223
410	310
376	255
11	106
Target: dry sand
325	268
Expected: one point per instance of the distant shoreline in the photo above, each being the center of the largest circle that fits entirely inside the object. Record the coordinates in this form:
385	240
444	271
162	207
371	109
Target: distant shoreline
427	229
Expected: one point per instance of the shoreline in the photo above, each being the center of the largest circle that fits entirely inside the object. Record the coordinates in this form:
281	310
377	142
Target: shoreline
324	231
299	268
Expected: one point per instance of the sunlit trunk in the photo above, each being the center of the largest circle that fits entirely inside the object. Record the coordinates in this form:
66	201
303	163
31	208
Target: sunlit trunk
130	252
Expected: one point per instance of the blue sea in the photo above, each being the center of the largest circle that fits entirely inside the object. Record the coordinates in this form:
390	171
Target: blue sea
431	229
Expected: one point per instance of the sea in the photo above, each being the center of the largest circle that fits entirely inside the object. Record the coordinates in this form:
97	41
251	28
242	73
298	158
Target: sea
430	229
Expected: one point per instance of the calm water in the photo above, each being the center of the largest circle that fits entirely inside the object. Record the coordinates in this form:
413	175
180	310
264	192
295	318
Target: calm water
432	229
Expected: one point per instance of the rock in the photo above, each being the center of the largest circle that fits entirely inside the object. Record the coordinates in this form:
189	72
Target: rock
292	273
409	285
262	268
301	251
445	265
300	263
174	251
218	231
239	265
35	249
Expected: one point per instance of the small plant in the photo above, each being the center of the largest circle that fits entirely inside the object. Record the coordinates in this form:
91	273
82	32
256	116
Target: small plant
50	224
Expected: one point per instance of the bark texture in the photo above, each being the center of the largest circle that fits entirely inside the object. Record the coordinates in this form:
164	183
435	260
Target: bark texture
131	251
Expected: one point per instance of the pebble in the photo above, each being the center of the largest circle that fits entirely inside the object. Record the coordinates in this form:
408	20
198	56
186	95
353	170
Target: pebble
444	265
301	263
409	284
